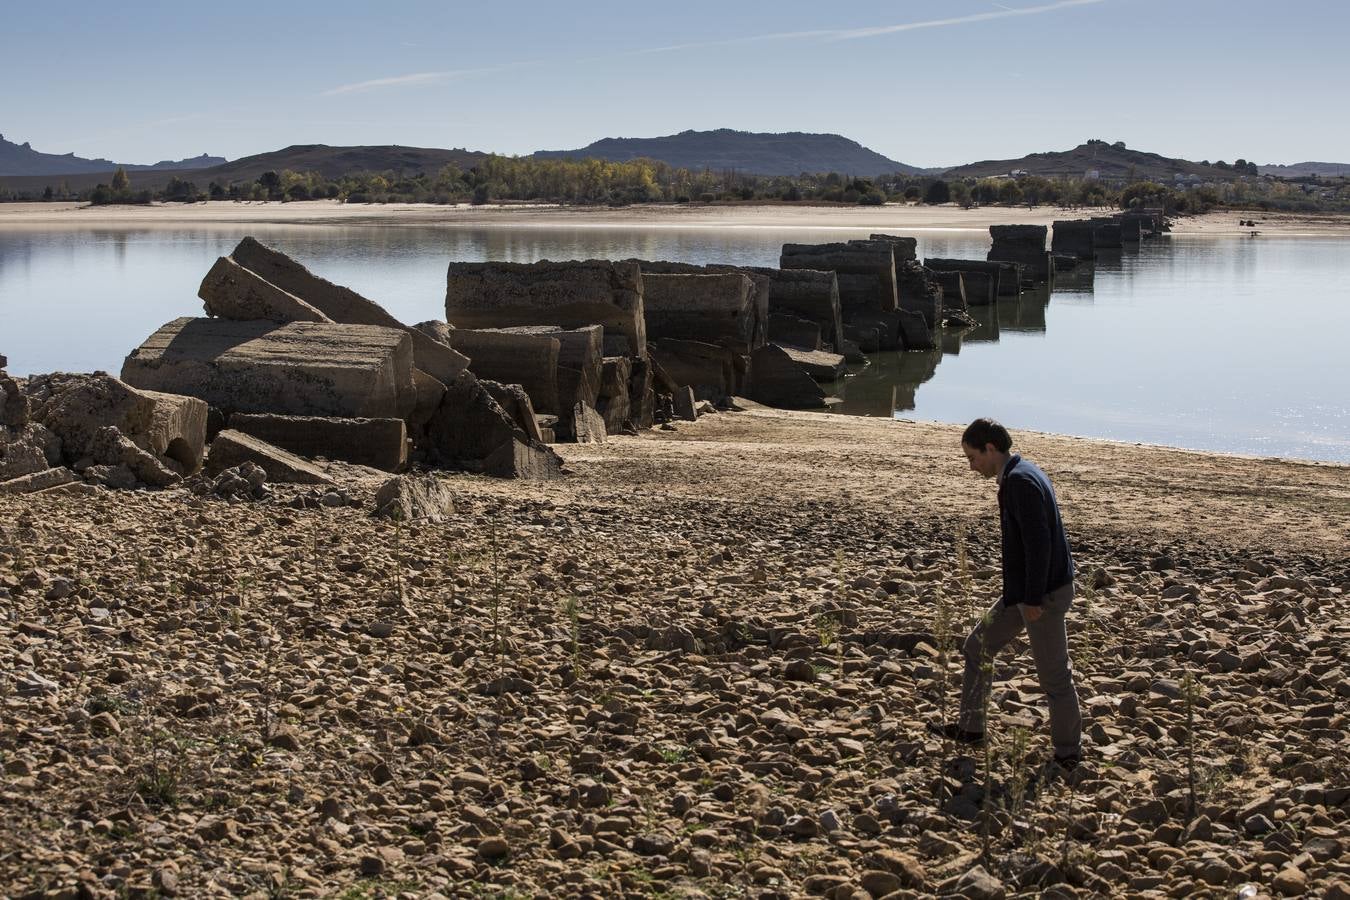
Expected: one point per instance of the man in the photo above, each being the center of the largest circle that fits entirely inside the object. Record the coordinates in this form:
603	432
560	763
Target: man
1037	592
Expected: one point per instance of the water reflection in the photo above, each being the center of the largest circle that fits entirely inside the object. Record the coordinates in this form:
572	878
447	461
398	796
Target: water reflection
1185	340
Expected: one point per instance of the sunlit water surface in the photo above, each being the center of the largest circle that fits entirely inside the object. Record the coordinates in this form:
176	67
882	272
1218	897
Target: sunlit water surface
1233	344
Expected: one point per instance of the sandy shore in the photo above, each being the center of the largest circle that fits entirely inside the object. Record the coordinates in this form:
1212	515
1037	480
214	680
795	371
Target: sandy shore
699	666
891	218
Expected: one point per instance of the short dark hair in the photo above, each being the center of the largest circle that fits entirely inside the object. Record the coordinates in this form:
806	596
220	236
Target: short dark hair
987	431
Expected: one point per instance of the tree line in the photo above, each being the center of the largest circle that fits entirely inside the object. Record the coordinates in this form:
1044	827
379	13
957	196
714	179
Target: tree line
601	182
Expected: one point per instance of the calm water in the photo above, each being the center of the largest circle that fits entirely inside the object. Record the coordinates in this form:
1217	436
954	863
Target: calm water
1230	344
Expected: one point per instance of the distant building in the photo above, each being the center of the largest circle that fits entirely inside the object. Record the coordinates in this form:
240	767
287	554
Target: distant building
1092	175
1018	173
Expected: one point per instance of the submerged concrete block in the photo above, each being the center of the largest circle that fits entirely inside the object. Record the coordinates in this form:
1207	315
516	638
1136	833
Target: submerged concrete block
821	365
565	294
865	269
300	368
344	305
232	292
378	443
903	247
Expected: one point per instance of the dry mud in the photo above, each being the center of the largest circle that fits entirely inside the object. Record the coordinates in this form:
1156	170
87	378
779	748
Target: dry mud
698	666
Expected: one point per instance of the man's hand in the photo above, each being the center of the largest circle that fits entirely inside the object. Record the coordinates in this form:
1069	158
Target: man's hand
1031	613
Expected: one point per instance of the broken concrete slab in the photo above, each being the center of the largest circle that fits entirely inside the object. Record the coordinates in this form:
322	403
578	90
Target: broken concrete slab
437	330
903	247
299	368
914	332
37	481
13	403
886	324
232	292
953	288
1025	244
685	406
865	269
919	292
507	357
414	498
231	448
588	426
821	365
110	447
378	443
513	399
709	369
565	294
519	459
169	425
614	402
642	395
20	455
713	309
344	306
775	380
787	330
808	294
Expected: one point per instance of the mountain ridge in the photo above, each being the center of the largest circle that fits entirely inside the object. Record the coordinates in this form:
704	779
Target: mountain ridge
755	153
1114	162
22	159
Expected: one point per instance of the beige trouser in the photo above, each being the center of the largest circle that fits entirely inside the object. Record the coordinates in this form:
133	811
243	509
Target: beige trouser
1049	649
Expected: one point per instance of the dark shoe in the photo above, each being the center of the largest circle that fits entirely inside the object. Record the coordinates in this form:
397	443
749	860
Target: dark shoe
953	732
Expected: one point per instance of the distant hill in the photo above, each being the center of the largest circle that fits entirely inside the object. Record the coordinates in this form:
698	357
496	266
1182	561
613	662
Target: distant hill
1304	169
22	159
1113	162
334	162
790	153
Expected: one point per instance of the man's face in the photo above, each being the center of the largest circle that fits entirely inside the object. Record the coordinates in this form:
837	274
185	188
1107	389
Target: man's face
985	461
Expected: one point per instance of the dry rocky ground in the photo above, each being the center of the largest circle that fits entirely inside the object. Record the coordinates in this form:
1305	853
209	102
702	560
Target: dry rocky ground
698	666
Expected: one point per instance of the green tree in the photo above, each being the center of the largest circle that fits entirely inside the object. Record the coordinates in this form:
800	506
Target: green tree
938	192
120	182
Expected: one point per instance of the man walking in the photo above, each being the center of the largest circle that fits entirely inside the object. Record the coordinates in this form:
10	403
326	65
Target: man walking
1037	592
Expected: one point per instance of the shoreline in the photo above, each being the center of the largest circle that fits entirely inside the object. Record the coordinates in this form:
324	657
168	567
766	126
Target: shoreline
15	216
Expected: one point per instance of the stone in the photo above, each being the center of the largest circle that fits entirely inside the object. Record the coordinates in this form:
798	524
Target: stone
775	380
523	358
37	481
345	306
791	331
821	365
1023	244
513	399
908	869
471	431
414	498
112	448
588	425
914	332
903	247
713	371
614	402
684	404
494	847
378	443
168	425
1290	882
714	309
231	448
808	294
437	330
299	368
976	884
13	403
565	294
865	271
642	395
879	883
21	453
232	292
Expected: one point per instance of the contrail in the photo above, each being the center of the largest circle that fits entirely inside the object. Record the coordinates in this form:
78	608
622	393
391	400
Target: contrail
824	35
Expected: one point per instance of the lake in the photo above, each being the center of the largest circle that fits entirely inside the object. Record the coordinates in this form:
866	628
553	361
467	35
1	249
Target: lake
1231	344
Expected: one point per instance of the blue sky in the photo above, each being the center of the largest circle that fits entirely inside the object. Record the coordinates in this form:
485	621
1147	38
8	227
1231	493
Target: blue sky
923	82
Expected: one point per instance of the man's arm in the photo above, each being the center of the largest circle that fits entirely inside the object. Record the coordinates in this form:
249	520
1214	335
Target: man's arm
1029	511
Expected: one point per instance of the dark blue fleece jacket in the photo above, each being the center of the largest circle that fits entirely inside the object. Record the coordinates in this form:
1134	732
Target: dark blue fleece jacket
1036	557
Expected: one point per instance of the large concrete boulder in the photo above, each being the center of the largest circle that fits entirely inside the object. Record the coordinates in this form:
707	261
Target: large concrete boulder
110	447
821	365
614	403
1004	276
1073	236
13	402
713	371
808	294
791	331
344	305
865	270
378	443
168	425
714	309
953	288
903	247
508	357
775	380
232	292
750	333
1023	244
299	369
565	294
232	448
919	292
914	332
45	480
26	450
471	431
642	395
885	324
580	359
414	498
515	402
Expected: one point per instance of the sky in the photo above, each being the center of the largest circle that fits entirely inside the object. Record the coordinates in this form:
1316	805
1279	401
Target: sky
923	82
